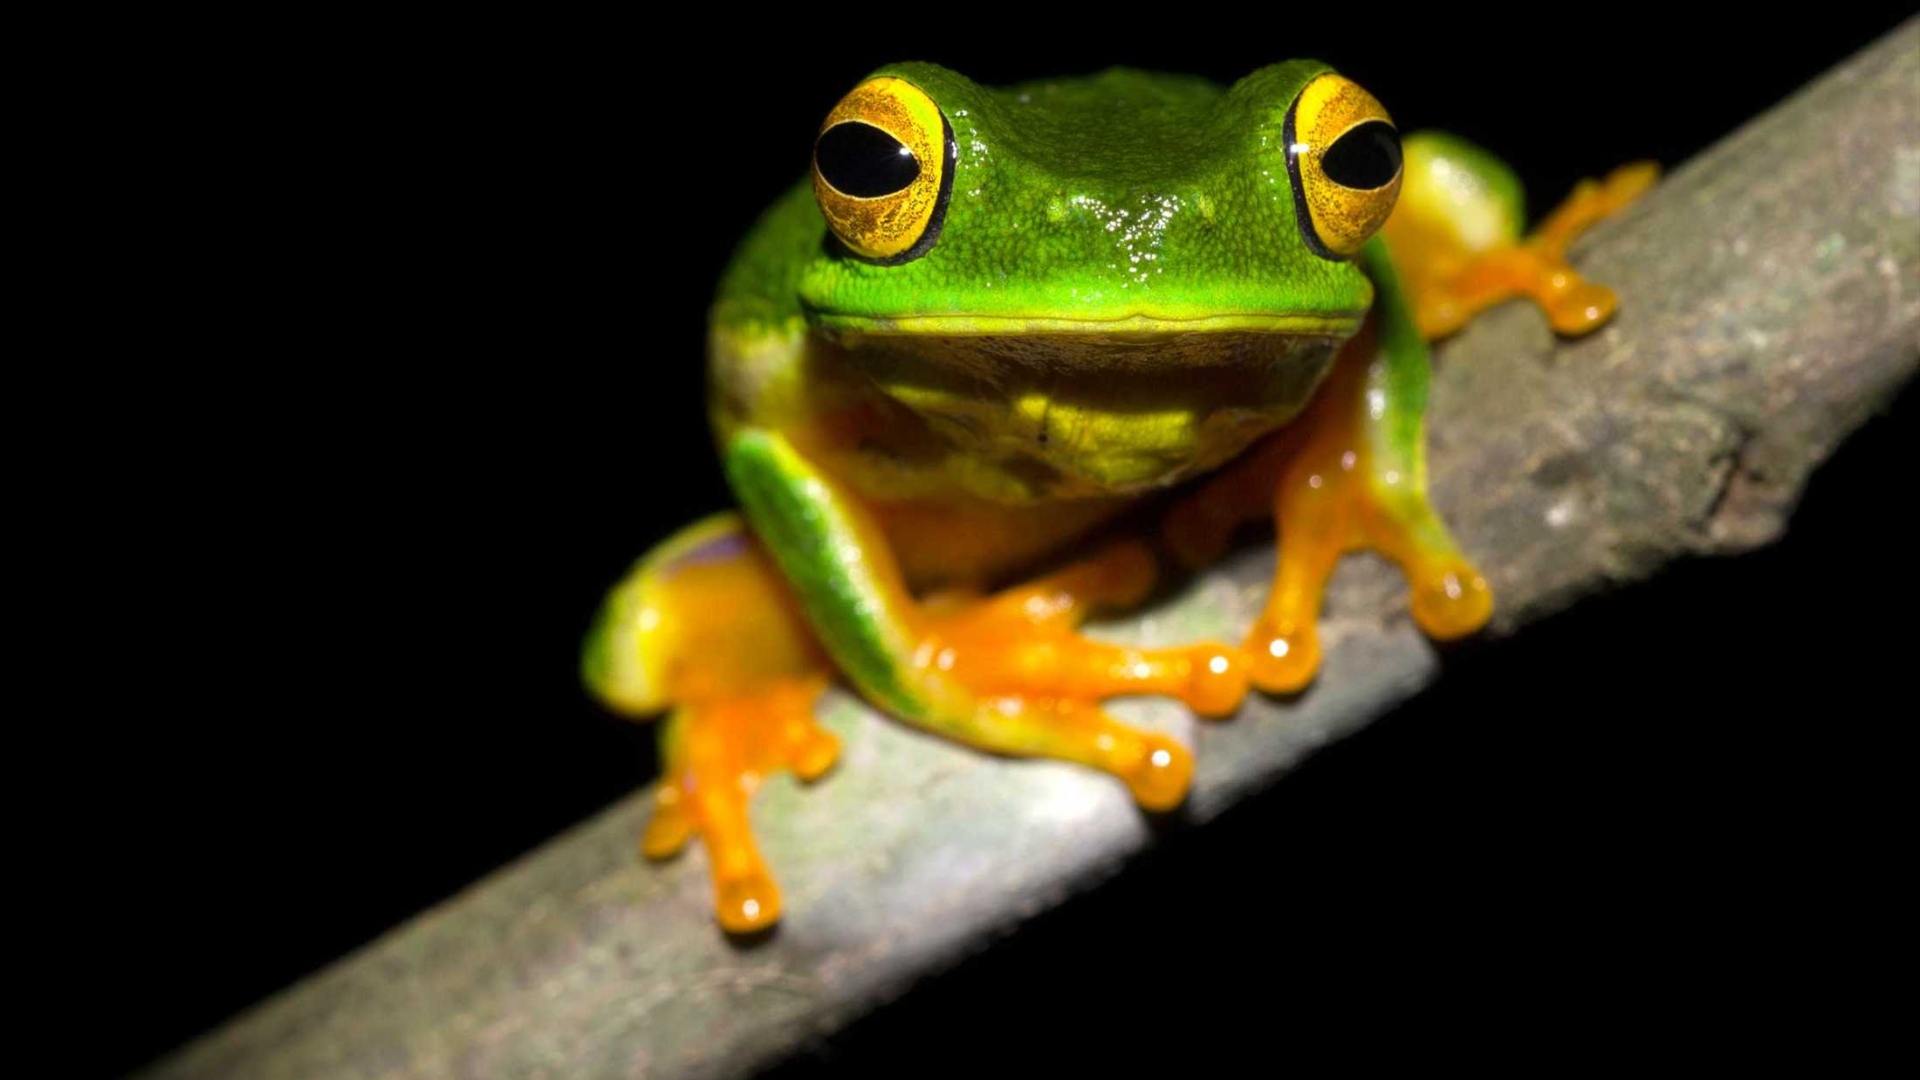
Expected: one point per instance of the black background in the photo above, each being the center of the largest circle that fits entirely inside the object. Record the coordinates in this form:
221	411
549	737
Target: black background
371	537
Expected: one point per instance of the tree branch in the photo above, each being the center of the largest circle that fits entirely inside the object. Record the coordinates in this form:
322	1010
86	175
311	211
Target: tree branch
1770	303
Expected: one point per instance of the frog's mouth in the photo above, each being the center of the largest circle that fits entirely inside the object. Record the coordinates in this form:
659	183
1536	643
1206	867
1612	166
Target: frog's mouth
1085	407
1341	324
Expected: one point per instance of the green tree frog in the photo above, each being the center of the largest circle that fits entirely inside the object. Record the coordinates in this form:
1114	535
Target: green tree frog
990	321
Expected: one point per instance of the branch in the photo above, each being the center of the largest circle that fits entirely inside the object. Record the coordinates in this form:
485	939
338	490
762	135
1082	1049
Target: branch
1770	303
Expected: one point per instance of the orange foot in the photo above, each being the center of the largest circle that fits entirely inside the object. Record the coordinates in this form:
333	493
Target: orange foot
717	753
1329	493
1037	684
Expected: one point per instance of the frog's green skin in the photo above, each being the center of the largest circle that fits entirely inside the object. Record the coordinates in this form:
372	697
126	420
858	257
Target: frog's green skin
1120	296
1120	299
1062	189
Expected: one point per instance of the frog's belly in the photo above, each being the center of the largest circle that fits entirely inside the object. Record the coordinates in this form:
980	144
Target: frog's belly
1069	416
957	540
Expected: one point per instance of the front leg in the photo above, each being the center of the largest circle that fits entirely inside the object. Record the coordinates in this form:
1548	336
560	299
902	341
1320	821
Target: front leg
1348	474
1005	674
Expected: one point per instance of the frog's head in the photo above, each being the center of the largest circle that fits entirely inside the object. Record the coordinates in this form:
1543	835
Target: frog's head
1159	267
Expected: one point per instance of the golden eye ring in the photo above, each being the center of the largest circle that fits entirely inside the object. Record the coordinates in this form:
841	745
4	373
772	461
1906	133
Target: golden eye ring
1343	157
883	171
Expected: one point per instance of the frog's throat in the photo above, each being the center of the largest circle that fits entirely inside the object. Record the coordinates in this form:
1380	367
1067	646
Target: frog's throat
1083	412
1141	326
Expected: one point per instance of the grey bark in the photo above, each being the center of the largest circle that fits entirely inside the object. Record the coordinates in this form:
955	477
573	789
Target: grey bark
1770	303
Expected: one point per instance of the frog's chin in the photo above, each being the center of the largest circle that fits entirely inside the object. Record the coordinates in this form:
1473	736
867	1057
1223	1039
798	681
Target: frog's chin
1105	409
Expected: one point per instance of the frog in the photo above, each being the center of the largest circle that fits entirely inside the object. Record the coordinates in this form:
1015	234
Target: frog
990	323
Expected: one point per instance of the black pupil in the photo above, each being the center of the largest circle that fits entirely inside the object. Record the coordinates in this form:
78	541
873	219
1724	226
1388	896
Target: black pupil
862	161
1366	157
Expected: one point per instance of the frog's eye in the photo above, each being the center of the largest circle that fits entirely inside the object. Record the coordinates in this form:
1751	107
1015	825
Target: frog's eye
883	169
1343	155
